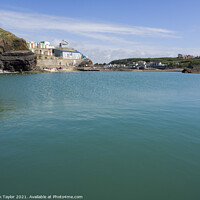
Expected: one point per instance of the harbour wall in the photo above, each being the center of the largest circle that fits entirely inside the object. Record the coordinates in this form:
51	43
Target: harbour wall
57	63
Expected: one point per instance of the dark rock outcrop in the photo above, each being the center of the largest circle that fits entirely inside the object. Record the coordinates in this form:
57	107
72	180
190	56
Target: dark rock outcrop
18	61
192	70
86	65
14	53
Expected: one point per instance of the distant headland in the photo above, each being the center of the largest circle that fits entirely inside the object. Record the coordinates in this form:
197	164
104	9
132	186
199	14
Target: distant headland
183	63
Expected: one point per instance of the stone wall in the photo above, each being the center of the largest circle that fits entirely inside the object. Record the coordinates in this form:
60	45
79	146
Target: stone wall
52	63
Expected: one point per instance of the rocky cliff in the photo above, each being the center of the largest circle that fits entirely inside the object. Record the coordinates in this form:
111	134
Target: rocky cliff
14	53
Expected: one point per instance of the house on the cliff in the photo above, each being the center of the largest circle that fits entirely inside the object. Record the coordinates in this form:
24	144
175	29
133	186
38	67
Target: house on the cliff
41	48
63	44
44	49
62	55
73	56
67	54
185	56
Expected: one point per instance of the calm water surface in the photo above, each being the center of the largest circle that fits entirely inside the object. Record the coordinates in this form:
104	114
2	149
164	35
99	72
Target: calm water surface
103	135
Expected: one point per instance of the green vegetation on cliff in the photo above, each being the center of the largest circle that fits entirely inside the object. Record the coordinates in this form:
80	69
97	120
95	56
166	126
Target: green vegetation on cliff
14	53
10	42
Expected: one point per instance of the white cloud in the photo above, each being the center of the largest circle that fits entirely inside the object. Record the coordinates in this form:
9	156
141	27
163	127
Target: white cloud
106	53
100	41
47	22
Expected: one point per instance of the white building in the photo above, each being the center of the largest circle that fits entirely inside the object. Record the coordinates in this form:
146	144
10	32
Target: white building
156	64
67	54
63	44
141	64
45	45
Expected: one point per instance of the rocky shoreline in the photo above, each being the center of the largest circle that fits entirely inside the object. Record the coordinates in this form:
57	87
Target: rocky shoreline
54	70
194	70
18	61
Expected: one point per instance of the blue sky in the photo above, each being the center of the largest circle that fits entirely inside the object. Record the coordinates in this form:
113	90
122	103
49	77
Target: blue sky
107	29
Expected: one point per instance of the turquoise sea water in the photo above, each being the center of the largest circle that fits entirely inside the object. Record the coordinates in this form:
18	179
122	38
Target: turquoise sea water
102	135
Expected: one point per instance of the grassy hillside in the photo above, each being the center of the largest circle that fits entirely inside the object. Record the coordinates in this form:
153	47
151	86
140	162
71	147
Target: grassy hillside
166	60
10	42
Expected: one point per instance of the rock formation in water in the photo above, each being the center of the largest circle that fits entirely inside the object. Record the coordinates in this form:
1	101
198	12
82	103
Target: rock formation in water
192	70
14	53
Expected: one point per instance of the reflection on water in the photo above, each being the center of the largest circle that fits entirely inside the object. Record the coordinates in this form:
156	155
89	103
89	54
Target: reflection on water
6	108
103	135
